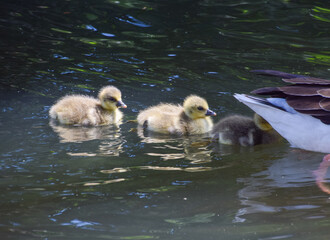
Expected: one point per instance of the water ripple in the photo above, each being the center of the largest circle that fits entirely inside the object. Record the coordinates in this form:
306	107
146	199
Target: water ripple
132	20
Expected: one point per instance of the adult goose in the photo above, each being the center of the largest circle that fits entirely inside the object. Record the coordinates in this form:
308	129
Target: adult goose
300	111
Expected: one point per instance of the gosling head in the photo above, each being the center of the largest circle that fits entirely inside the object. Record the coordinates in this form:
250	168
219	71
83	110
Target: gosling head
196	107
110	98
262	123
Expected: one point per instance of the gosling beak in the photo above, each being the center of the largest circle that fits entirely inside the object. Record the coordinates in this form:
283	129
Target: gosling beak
210	113
120	104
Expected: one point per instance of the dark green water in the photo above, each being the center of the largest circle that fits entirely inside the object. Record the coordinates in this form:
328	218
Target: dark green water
108	183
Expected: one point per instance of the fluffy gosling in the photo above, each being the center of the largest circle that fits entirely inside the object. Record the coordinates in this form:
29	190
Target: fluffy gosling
244	131
89	111
190	119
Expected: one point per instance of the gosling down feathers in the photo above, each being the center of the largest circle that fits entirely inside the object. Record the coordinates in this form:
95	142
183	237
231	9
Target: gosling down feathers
244	131
191	118
89	111
300	112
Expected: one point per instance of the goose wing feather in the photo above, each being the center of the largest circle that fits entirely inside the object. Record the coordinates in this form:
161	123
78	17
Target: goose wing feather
306	94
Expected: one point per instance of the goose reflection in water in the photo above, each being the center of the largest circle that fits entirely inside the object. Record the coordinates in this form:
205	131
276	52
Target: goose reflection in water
320	174
111	140
290	174
192	148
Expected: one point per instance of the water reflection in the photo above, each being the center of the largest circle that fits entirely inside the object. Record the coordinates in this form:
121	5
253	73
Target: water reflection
81	224
320	174
227	150
158	168
111	138
99	182
81	134
294	170
193	148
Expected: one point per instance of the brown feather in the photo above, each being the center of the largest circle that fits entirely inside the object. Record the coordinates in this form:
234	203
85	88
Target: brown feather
302	90
315	113
267	91
325	104
324	119
307	95
324	92
307	80
272	91
304	103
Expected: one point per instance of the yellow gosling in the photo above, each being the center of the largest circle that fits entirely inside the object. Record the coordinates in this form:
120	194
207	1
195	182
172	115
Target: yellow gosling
89	111
190	119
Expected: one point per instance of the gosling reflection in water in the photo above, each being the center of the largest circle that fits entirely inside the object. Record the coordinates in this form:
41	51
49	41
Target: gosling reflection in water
111	140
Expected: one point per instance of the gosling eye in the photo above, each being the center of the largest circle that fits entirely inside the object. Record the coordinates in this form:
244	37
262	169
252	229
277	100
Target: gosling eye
112	99
200	108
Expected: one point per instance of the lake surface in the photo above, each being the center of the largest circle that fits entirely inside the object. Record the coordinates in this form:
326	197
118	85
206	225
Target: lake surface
112	183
